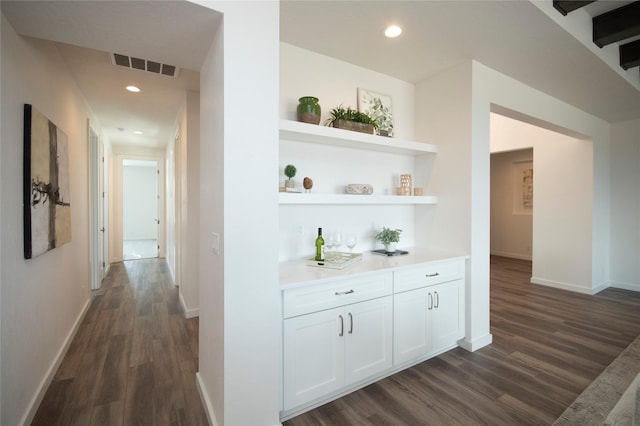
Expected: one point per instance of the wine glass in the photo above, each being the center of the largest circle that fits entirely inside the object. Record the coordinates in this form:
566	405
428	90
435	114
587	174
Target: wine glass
337	242
328	244
351	242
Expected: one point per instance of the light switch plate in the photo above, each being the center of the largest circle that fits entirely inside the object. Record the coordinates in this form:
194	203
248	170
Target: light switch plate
215	242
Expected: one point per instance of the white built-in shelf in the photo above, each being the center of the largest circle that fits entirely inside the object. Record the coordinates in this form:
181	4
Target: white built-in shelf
323	135
312	198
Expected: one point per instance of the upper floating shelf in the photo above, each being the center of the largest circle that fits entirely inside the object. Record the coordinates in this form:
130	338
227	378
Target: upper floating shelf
323	135
289	198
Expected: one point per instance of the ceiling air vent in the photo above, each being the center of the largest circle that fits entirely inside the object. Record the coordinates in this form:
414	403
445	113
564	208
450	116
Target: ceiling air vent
144	65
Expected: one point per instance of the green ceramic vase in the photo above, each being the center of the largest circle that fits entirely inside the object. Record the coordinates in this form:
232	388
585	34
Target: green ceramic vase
308	110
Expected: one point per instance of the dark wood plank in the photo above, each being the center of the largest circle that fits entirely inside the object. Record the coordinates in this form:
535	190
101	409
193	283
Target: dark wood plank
134	358
549	345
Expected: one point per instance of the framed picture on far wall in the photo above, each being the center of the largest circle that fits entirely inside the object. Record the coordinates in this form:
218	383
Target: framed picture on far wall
378	107
46	198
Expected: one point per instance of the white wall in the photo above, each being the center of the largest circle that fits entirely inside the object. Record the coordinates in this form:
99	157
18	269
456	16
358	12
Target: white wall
139	202
511	229
336	82
625	205
460	179
170	217
578	257
562	211
43	299
185	195
240	330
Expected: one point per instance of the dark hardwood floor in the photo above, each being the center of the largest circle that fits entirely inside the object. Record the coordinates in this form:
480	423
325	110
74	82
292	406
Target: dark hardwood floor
548	345
134	358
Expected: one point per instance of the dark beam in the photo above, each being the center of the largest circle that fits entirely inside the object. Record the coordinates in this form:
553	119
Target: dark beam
566	6
617	25
630	55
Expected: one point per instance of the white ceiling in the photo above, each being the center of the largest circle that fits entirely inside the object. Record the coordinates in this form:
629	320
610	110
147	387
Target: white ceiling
513	37
177	33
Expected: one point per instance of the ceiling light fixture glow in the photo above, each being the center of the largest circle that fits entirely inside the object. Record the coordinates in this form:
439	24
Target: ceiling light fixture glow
133	89
393	31
137	132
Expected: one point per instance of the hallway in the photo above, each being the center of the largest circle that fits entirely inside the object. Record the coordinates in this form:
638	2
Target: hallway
133	359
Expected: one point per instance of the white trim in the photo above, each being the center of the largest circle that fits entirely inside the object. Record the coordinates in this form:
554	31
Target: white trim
476	344
570	287
625	286
511	255
206	400
188	313
32	408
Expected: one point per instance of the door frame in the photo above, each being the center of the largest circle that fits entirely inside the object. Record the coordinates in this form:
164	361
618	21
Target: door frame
97	234
116	232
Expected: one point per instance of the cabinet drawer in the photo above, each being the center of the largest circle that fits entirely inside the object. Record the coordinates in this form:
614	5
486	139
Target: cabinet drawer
427	274
304	300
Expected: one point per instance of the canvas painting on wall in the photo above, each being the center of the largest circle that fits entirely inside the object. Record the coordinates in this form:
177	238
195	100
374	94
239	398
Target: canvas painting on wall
47	207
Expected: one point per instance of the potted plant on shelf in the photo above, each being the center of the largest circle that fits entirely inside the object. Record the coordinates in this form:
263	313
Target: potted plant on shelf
350	119
389	237
290	172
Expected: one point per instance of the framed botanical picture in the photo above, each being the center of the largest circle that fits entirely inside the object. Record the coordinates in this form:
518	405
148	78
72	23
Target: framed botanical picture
46	201
377	106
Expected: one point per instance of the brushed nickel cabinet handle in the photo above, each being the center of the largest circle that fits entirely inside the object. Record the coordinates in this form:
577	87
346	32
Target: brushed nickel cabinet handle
432	275
430	304
338	293
351	323
437	299
341	326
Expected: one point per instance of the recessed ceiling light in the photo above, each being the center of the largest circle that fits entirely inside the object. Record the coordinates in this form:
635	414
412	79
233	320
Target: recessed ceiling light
133	89
137	132
393	31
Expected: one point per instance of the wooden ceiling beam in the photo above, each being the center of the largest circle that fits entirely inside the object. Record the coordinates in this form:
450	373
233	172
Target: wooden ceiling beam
616	25
630	55
566	6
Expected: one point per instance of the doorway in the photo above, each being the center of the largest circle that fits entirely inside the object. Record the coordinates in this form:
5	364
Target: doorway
140	209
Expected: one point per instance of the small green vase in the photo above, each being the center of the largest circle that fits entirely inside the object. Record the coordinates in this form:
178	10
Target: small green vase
308	110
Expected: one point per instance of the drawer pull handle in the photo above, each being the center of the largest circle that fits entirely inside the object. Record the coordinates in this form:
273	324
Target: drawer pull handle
341	326
351	319
432	275
338	293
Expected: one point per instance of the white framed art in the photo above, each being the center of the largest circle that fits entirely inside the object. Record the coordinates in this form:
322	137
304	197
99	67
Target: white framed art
379	107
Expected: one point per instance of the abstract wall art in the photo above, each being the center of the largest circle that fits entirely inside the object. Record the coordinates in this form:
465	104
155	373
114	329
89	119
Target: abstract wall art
47	207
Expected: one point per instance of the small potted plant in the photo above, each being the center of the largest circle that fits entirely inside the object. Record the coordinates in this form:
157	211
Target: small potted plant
290	172
389	237
350	119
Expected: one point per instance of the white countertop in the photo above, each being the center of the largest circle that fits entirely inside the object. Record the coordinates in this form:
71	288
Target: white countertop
296	272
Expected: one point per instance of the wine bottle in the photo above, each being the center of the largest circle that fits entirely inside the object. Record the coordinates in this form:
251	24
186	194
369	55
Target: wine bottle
319	246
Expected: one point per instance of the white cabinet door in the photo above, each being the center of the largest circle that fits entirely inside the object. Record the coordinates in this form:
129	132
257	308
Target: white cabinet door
445	316
368	334
313	356
410	334
426	321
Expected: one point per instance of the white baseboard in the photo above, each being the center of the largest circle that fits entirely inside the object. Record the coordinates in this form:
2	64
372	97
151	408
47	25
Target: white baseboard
625	286
569	287
206	401
476	344
511	255
33	406
188	313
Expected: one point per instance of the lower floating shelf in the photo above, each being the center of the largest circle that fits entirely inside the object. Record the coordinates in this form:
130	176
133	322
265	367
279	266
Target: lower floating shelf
293	198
